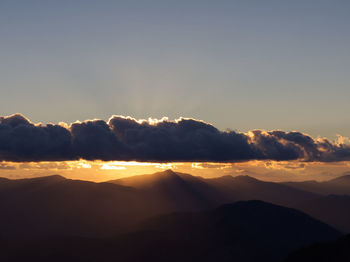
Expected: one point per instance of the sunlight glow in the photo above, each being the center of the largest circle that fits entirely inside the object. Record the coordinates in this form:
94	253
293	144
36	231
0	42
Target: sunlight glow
100	171
83	164
112	167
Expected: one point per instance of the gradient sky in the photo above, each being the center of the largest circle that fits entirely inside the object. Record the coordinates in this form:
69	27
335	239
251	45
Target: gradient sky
236	64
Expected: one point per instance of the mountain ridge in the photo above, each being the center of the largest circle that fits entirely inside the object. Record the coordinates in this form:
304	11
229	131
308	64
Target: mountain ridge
243	231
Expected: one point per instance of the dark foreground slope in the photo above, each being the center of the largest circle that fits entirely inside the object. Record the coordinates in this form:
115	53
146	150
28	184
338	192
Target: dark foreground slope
243	231
337	251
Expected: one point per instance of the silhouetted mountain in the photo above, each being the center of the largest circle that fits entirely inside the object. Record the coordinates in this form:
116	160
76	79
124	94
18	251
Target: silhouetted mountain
54	205
337	186
28	184
334	207
57	206
341	180
333	210
337	251
243	231
176	191
249	188
185	192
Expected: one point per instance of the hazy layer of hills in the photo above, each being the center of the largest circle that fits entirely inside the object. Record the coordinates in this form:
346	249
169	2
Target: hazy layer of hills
190	192
333	206
181	192
335	251
243	231
168	216
339	185
332	209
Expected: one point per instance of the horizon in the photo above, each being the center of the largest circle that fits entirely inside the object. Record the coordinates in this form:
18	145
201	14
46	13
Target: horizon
98	171
166	171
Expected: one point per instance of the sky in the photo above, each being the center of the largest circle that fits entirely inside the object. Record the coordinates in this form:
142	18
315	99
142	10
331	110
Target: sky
241	65
237	65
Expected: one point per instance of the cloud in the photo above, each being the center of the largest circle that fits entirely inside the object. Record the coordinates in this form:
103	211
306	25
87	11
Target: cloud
45	165
21	140
7	166
180	140
94	139
183	140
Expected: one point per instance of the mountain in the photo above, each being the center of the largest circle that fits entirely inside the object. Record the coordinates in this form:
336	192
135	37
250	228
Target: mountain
242	231
333	210
336	251
54	205
337	186
176	191
57	219
333	205
183	192
249	188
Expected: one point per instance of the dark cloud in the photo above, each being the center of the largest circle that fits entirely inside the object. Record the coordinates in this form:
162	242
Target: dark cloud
124	138
183	140
333	151
94	139
21	140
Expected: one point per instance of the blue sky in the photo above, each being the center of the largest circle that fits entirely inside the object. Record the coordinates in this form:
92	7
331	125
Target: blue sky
237	64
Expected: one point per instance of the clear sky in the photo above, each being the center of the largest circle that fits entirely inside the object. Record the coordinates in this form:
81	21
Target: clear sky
236	64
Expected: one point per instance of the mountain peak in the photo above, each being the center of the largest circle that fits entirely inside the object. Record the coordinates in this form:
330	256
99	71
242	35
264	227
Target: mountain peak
4	179
341	179
168	172
245	178
51	178
44	179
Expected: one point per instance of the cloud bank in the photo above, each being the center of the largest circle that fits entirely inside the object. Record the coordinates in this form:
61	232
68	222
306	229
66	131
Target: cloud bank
183	140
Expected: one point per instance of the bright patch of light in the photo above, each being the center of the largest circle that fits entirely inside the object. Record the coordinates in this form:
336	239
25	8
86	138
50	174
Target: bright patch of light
197	165
112	167
165	166
83	165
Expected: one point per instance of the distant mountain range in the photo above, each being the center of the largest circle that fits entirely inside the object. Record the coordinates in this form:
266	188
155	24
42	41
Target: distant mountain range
176	191
183	192
168	215
243	231
332	209
190	192
55	205
333	206
337	186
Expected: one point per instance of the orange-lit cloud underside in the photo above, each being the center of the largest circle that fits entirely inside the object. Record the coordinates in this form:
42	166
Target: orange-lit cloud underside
106	170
